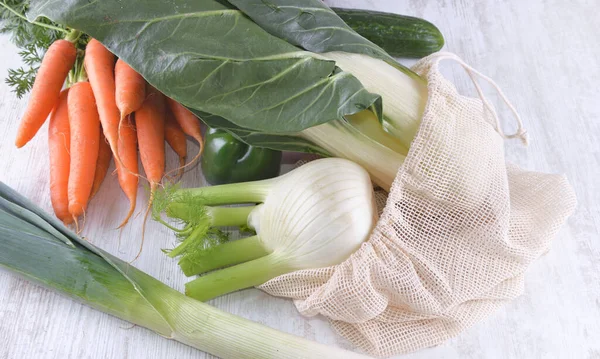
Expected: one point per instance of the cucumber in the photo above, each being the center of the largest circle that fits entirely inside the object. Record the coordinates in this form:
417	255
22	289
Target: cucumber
399	35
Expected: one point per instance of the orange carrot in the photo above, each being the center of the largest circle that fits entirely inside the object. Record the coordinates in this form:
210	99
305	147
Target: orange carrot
128	176
176	139
104	157
190	124
85	134
150	124
130	89
100	66
57	62
59	136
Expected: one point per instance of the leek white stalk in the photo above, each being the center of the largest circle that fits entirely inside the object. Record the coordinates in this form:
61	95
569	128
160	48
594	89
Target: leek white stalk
404	97
40	248
314	216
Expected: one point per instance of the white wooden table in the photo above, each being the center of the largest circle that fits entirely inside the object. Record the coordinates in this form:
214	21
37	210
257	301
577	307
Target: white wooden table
545	54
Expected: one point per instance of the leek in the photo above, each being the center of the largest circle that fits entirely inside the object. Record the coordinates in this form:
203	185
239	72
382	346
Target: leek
312	217
38	247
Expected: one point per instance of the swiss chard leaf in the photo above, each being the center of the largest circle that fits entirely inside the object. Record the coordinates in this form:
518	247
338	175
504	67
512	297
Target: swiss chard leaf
312	25
216	60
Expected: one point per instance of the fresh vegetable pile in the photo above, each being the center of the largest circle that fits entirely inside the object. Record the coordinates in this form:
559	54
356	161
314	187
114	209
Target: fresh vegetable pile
273	76
458	229
119	94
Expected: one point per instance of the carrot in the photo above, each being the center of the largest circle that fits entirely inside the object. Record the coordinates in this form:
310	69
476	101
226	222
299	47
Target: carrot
57	62
85	134
130	89
104	157
128	176
189	124
100	66
150	125
176	139
59	138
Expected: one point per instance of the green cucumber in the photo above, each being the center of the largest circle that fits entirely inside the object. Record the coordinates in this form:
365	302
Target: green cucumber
399	35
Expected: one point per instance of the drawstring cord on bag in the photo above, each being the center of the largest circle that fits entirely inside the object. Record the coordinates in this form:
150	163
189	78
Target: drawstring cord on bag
473	74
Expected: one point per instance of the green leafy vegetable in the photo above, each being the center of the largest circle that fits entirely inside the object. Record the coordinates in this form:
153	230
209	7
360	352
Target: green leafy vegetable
214	59
312	25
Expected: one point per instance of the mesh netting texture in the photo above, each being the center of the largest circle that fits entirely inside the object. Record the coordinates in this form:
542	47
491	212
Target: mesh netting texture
457	232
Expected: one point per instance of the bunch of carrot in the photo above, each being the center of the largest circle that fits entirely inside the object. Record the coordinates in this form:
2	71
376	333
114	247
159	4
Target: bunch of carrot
106	111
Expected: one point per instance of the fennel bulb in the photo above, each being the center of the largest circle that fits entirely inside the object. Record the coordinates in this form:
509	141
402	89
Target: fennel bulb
40	248
314	216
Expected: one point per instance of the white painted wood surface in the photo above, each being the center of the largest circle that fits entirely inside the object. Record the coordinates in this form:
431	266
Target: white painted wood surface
545	54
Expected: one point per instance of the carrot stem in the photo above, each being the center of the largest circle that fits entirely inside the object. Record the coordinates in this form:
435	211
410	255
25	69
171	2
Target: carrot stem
81	75
73	35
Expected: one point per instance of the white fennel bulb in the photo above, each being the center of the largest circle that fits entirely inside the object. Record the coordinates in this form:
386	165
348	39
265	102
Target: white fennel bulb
314	216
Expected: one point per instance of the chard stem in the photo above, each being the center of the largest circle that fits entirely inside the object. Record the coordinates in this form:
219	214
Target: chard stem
223	255
241	276
234	193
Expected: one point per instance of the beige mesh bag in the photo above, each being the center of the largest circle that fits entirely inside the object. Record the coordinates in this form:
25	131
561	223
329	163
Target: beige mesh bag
458	231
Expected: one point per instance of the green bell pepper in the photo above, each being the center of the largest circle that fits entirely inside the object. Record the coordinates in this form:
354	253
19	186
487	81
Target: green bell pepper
228	160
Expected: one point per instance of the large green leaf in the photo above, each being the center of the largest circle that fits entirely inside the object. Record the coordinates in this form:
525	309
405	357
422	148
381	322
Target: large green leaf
215	59
312	25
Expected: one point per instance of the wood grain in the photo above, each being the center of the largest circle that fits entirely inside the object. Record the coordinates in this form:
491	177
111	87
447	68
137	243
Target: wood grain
543	53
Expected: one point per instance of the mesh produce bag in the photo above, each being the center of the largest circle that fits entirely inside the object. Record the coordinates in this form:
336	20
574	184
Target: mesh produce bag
459	229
